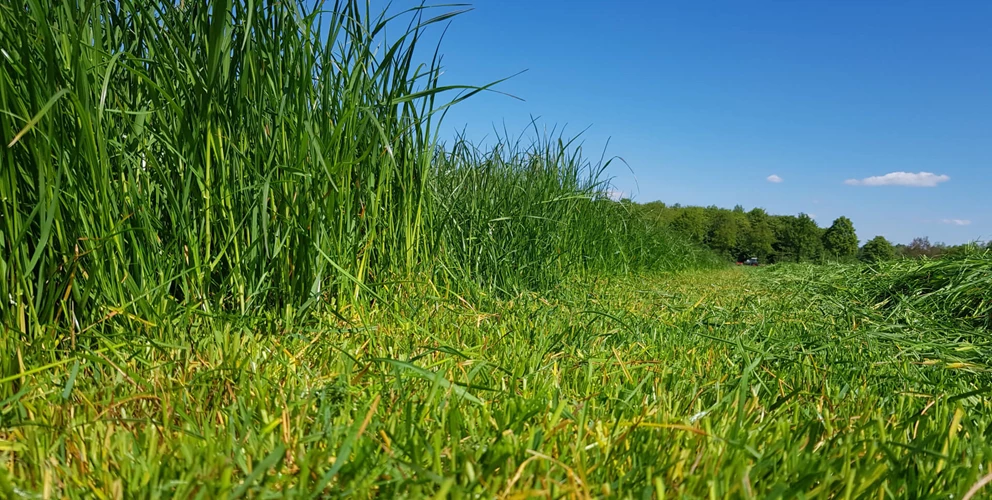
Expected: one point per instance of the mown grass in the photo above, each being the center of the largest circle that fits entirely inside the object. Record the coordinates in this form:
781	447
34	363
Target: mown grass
940	308
735	383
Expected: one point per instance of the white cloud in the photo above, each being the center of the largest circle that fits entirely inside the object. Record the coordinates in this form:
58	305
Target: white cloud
615	194
922	179
956	222
774	179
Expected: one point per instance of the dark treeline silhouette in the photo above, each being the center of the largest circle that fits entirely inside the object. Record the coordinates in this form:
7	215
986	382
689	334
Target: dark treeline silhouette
739	234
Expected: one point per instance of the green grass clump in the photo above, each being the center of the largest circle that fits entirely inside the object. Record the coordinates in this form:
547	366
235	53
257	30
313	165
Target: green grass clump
231	158
248	157
262	159
951	289
524	218
943	293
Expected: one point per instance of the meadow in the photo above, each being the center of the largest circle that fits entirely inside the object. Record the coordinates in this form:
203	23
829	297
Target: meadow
240	262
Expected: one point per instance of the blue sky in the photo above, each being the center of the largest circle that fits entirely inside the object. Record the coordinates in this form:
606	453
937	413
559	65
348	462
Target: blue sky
706	100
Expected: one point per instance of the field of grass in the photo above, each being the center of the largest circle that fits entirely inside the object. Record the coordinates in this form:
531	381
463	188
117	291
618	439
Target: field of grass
238	261
738	382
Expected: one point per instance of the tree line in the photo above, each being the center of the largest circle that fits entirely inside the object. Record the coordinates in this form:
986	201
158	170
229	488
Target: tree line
738	234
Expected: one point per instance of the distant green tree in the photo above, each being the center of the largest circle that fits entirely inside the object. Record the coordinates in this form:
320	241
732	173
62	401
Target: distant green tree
877	249
840	241
784	246
741	234
921	247
901	250
723	233
654	212
803	239
760	237
692	222
740	250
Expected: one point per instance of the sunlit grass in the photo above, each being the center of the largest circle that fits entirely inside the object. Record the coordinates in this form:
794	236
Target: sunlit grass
238	262
728	383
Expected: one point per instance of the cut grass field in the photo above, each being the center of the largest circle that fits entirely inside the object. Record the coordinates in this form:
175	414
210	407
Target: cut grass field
222	278
730	383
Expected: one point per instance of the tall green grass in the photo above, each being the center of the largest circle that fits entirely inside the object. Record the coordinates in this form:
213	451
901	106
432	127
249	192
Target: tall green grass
518	217
164	159
223	156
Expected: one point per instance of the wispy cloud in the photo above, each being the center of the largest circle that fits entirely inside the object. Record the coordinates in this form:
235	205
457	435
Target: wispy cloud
774	179
921	179
956	222
615	194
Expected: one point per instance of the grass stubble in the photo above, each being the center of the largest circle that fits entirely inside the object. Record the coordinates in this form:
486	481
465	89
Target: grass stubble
239	263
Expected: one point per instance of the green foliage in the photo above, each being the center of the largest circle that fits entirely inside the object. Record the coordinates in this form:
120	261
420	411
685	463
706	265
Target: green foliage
803	239
740	235
692	222
840	242
921	248
723	233
877	249
760	238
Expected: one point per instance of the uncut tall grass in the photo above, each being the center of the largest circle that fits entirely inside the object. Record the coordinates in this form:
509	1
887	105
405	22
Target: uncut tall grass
225	157
163	159
523	216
